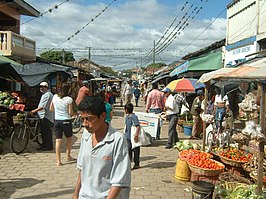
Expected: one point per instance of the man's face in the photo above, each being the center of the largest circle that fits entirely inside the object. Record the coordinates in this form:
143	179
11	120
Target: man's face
43	89
92	122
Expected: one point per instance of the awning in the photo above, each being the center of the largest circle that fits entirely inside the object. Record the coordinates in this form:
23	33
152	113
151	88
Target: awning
159	78
207	62
253	70
7	69
35	73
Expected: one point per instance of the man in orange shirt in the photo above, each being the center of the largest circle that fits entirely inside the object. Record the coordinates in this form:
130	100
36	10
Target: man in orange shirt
84	91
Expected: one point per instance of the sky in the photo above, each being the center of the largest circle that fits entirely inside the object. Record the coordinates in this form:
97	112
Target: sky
121	33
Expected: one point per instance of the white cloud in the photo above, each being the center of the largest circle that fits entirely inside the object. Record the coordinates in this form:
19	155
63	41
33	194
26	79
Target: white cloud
130	24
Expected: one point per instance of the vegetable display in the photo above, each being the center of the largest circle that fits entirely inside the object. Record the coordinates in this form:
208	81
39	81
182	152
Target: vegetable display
189	154
236	155
184	145
201	161
6	99
240	191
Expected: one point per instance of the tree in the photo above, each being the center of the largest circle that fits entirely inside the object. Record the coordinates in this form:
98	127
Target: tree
156	65
58	56
108	70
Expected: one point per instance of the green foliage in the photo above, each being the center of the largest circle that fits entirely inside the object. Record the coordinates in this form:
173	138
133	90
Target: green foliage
57	56
156	65
108	70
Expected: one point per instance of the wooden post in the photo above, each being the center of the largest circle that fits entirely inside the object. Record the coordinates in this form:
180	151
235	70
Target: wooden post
260	168
207	85
262	104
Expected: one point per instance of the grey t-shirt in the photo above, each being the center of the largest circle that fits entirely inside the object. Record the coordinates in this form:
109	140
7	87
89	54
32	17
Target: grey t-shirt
104	166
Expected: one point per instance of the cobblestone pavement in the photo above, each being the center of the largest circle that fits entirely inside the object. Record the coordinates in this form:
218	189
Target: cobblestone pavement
34	174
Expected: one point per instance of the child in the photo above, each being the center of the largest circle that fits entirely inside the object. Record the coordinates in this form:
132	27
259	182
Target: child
132	119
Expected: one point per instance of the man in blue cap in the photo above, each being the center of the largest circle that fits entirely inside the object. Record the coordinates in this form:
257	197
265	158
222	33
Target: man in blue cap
172	112
195	111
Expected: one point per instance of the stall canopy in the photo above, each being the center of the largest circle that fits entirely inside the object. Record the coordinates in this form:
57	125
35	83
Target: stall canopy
35	73
207	62
32	74
7	69
252	70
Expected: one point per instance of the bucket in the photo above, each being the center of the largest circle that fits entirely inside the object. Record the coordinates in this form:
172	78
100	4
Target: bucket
188	130
182	171
202	190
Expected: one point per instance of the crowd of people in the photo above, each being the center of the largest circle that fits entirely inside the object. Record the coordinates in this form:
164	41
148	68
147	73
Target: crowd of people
105	154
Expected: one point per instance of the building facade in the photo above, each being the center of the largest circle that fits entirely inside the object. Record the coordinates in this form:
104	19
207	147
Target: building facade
246	30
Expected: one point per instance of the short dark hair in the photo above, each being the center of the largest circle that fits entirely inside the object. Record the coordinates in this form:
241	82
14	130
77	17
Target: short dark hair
93	104
154	86
129	107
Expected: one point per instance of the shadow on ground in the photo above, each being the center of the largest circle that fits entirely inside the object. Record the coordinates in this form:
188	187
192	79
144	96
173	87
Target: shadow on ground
160	165
12	184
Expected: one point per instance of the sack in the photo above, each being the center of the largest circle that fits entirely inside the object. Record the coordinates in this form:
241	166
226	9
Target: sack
143	138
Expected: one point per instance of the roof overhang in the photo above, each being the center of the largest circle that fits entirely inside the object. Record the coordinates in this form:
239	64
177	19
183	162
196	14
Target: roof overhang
23	8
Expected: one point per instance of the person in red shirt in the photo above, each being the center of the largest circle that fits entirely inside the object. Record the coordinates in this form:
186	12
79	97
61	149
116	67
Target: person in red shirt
84	91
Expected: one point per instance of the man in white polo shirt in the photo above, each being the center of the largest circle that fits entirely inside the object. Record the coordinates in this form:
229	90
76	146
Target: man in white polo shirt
103	158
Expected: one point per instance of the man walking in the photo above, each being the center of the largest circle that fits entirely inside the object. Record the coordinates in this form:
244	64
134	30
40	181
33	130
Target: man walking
127	93
103	160
46	116
84	91
155	104
172	111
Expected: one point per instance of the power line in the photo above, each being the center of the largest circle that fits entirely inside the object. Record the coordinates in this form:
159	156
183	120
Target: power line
202	32
78	31
41	15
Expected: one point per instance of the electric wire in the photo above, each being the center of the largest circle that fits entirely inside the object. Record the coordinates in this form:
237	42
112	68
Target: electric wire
41	15
83	27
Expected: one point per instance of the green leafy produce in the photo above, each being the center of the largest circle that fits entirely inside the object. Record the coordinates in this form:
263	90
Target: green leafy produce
241	191
185	145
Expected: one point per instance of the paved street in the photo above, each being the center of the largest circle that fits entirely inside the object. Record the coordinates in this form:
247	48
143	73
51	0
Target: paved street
34	174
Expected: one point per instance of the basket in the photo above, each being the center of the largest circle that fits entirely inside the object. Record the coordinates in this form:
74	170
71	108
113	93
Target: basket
207	172
232	162
230	177
18	119
231	185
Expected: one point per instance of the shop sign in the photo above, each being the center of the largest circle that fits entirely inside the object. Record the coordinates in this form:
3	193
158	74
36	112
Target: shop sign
237	55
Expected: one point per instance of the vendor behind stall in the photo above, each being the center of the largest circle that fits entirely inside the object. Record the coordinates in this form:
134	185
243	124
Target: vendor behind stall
221	107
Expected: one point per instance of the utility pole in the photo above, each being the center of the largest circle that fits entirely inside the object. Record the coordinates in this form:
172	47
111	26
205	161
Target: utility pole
153	57
89	59
63	57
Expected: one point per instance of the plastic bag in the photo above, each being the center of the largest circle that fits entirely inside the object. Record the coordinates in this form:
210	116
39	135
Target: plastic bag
143	138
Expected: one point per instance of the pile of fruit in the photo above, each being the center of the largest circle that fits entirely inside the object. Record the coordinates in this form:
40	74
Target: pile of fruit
6	99
190	153
202	161
236	154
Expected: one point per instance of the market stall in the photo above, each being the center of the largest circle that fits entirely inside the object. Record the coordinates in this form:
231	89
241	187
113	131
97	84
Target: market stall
253	70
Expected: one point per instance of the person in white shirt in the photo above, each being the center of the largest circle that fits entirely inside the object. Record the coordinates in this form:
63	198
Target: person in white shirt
172	111
221	107
127	93
63	108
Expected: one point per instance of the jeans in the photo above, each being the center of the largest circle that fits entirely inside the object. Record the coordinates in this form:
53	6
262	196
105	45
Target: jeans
157	111
172	133
136	152
219	116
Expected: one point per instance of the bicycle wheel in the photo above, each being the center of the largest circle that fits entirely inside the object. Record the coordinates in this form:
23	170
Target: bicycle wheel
38	134
76	124
4	128
19	139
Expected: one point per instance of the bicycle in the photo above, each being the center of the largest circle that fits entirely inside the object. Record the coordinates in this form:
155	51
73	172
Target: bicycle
76	124
219	136
28	129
